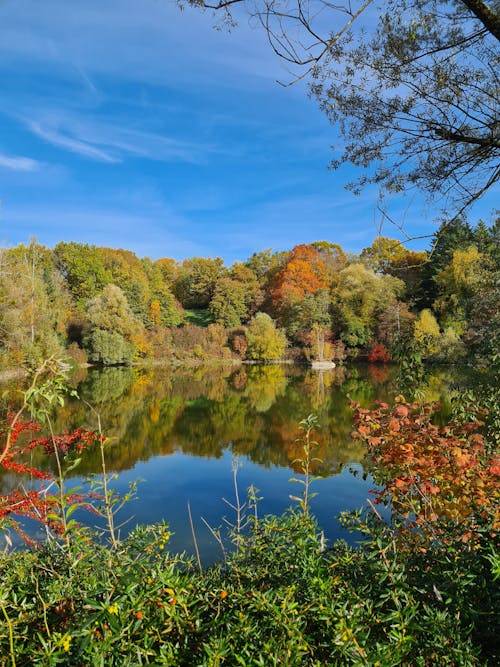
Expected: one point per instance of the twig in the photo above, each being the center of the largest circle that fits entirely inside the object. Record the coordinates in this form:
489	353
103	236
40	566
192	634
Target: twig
194	538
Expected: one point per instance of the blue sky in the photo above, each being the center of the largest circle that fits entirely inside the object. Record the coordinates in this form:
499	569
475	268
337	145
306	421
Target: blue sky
134	125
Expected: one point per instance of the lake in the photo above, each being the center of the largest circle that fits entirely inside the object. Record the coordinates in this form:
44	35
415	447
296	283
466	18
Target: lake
180	433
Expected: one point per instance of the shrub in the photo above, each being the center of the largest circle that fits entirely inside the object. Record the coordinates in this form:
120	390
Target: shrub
238	342
108	348
265	341
379	354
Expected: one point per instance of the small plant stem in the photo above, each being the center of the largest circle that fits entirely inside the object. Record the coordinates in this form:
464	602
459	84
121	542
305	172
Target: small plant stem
110	517
375	510
107	499
11	634
23	407
44	607
62	501
239	508
194	539
217	537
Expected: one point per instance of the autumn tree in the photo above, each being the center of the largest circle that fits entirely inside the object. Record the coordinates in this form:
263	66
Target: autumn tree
482	335
126	270
457	284
304	273
427	333
391	257
383	254
33	304
450	236
395	323
265	341
265	264
163	308
469	300
300	292
168	268
359	299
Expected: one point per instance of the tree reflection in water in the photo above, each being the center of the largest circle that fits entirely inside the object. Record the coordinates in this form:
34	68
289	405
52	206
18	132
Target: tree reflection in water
203	414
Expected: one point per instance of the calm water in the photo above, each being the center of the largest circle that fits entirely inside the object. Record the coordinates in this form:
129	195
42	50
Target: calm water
180	432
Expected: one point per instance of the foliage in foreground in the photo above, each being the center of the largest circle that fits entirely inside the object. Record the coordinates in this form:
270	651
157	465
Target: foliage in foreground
280	600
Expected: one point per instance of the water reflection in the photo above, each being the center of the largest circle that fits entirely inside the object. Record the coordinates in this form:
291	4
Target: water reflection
251	411
179	429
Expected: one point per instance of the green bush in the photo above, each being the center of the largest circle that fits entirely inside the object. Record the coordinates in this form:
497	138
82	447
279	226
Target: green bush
280	599
108	348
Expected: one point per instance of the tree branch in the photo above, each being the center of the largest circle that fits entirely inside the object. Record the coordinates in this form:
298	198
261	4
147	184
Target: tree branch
488	17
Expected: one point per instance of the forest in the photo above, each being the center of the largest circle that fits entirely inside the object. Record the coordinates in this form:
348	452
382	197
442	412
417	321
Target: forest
106	306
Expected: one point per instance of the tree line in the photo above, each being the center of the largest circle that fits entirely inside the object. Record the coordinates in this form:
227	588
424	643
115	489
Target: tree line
315	301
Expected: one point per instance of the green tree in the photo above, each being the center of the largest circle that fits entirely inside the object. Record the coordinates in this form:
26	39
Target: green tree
249	281
359	299
487	239
196	279
265	341
110	311
228	306
82	268
113	325
108	348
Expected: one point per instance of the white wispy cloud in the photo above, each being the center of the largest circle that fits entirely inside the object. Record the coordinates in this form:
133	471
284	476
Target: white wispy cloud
106	141
18	163
72	144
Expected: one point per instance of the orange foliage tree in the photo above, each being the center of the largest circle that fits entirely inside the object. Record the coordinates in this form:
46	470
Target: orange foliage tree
442	481
304	273
299	296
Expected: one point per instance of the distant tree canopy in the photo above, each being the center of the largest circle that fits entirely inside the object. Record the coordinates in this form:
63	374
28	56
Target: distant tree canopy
111	307
412	84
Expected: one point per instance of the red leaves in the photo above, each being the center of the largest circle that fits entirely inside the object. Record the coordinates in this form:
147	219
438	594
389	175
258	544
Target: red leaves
430	473
494	468
76	441
379	354
38	504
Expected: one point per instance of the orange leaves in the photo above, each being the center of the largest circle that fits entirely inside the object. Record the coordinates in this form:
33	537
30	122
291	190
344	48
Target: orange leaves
494	468
394	425
430	473
304	273
401	410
